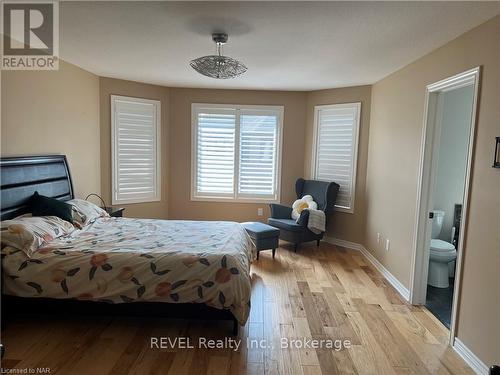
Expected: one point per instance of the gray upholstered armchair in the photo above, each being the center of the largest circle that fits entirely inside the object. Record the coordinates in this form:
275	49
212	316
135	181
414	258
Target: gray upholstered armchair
324	194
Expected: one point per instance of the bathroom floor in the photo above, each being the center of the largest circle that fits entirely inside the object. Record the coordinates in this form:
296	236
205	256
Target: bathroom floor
439	301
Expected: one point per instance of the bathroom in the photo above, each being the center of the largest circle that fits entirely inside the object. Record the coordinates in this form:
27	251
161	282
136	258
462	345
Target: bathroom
453	119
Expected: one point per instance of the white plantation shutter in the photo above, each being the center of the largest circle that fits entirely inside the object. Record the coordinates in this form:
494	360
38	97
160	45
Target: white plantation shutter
236	152
337	128
215	152
258	159
135	127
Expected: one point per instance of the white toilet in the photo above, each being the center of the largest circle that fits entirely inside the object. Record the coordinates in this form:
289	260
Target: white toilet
441	254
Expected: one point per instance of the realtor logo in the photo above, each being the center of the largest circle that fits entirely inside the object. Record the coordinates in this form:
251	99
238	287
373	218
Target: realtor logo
30	35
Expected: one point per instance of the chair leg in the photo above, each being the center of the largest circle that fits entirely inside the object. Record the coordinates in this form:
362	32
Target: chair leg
317	242
296	246
258	254
274	252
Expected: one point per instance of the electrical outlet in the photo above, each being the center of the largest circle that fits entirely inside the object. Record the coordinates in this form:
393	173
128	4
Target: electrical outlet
379	237
387	242
260	212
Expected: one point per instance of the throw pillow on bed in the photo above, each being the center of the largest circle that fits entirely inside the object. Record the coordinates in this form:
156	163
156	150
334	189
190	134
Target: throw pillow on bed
40	205
85	212
28	233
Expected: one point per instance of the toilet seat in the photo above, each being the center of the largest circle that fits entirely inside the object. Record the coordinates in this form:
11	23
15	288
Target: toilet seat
441	246
442	251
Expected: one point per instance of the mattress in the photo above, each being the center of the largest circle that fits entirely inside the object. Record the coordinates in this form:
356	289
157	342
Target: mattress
119	260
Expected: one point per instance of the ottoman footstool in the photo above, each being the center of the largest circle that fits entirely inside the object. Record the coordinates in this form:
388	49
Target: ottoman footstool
265	237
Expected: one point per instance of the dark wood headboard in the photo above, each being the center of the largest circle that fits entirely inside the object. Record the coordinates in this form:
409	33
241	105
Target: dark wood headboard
22	176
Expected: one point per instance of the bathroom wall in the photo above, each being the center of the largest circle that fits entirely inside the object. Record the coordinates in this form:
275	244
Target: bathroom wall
453	114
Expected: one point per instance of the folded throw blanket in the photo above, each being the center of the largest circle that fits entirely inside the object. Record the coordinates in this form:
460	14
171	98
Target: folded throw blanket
317	221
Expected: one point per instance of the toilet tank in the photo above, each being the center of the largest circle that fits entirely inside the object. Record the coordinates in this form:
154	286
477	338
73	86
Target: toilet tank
437	223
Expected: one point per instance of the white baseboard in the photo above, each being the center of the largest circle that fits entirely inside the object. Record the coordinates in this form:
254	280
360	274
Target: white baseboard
343	243
470	358
402	290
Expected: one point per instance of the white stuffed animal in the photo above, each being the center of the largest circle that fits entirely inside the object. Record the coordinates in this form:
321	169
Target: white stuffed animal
301	204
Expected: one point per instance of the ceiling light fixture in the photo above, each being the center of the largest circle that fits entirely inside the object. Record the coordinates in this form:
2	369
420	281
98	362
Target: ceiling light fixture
218	66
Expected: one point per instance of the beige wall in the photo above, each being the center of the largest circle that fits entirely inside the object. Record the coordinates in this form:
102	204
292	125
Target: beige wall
108	87
54	112
176	141
393	162
345	226
180	205
176	148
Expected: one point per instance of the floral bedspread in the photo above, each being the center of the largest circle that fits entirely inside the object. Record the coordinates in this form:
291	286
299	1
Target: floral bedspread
125	260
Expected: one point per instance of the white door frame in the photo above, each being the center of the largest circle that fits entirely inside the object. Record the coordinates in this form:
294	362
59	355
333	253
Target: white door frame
423	225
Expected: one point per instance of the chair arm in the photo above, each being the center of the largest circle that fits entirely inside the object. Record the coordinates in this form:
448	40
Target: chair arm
278	211
304	218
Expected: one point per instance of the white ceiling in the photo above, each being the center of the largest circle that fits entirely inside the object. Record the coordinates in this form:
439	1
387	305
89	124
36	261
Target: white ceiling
285	45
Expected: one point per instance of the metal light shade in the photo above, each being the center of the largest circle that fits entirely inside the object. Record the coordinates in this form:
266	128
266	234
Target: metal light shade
221	67
218	66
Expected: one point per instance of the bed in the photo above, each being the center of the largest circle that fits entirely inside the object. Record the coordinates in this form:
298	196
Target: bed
172	268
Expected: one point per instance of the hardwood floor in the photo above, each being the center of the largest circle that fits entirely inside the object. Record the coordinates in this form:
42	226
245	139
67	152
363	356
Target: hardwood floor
326	293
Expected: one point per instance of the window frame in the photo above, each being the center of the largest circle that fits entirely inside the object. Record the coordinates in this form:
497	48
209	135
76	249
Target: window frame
314	158
234	198
114	159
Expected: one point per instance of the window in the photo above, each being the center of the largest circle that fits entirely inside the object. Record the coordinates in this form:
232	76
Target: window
236	153
336	129
135	144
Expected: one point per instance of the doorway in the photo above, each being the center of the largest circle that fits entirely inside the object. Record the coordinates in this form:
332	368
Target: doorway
447	149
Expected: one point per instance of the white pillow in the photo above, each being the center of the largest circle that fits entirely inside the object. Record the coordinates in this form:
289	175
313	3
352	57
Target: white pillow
301	204
85	212
28	233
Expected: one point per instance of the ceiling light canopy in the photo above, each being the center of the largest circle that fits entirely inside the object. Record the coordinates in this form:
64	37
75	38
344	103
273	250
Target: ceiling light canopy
218	66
